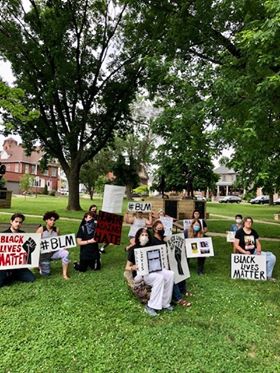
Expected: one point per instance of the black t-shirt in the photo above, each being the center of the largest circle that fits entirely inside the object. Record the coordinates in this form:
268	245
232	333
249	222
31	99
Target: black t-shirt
248	241
89	251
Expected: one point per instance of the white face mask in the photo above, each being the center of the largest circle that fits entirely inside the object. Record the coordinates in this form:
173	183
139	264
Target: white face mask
143	240
238	221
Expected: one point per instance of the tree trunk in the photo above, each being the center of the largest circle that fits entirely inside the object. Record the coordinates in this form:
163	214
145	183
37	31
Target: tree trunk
271	198
128	192
73	185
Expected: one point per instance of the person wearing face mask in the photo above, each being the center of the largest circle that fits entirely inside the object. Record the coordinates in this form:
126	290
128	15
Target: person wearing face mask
196	230
180	289
89	252
234	227
196	215
161	282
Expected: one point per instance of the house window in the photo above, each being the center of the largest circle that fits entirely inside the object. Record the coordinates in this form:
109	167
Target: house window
26	169
46	172
53	172
16	167
8	167
33	169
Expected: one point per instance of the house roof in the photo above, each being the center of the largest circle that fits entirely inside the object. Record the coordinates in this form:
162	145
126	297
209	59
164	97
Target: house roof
222	170
13	152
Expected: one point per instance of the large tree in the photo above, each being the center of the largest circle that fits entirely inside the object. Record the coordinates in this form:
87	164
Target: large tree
70	60
233	45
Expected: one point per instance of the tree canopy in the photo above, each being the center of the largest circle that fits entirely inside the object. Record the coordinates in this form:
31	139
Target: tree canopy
69	59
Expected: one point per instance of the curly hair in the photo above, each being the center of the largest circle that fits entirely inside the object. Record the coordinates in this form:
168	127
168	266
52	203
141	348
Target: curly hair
50	214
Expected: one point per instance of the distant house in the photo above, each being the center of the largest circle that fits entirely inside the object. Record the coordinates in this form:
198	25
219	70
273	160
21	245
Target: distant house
225	184
18	163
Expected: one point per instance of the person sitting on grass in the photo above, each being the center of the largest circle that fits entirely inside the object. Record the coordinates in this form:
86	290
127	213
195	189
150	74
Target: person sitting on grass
247	242
47	231
89	252
179	289
161	282
234	227
22	274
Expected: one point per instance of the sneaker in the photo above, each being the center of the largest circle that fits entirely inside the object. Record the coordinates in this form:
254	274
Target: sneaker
150	311
272	279
169	309
102	250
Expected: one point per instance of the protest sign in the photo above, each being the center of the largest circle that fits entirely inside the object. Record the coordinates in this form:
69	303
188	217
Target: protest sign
248	267
139	206
109	228
19	250
188	222
230	236
51	244
151	259
177	257
167	223
199	247
113	198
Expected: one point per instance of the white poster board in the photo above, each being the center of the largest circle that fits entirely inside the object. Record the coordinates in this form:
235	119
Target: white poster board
167	223
248	267
151	259
51	244
199	247
139	206
113	198
187	223
177	257
19	250
230	236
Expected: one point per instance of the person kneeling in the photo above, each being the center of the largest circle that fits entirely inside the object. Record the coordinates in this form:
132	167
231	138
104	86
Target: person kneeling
161	282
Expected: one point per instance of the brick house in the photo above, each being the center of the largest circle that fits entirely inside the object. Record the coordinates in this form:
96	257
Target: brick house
18	163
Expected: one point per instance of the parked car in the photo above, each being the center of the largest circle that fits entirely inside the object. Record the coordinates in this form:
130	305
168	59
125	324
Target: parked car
277	201
259	200
230	199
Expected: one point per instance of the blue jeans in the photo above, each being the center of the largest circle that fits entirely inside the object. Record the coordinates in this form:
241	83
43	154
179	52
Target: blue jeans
270	262
179	290
11	275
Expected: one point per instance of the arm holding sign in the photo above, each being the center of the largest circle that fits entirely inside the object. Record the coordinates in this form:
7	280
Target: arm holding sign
81	242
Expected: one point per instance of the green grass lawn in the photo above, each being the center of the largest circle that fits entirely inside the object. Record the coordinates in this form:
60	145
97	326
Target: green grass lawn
92	323
261	212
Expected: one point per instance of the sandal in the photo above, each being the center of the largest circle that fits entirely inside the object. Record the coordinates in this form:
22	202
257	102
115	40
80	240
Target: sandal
184	303
189	294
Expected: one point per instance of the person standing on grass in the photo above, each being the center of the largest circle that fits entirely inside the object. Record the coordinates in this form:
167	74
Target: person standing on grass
161	282
47	231
22	274
197	229
247	242
89	252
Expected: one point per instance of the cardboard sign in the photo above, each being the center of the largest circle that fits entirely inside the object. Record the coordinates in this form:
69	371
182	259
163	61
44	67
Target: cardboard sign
177	257
230	236
199	247
139	206
248	267
167	223
113	198
151	259
188	222
51	244
19	250
109	228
